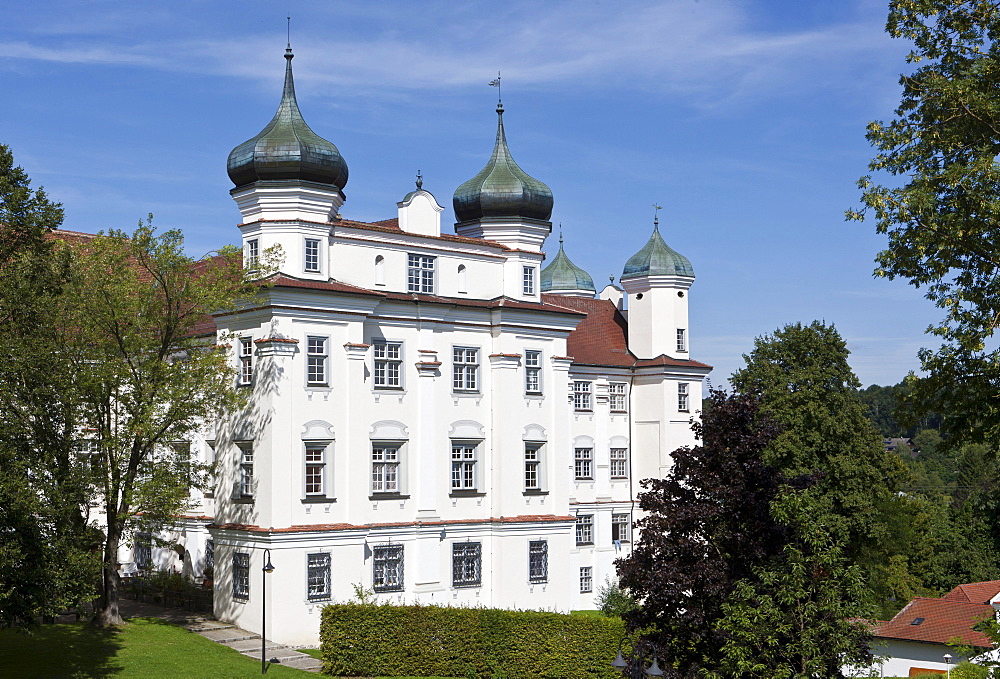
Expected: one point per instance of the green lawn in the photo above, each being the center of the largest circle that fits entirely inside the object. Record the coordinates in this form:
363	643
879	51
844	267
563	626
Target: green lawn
143	648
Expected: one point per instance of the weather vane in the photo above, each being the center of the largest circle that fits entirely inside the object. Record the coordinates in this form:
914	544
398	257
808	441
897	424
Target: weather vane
496	84
289	30
656	214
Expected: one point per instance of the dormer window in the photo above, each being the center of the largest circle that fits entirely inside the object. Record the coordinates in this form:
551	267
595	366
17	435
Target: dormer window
312	255
682	343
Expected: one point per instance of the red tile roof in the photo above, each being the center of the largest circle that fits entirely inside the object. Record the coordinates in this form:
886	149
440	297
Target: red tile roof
601	339
974	592
943	621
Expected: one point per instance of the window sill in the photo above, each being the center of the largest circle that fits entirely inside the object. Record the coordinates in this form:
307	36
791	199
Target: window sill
584	479
319	599
535	491
471	492
381	590
388	496
585	544
469	392
619	412
534	394
243	500
581	410
619	478
463	585
317	499
538	582
378	388
317	385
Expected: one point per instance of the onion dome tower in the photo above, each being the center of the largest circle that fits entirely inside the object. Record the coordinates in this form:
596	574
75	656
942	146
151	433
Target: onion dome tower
503	203
288	186
286	154
563	277
656	280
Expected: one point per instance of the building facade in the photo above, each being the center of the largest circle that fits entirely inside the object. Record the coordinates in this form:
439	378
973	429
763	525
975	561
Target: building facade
435	417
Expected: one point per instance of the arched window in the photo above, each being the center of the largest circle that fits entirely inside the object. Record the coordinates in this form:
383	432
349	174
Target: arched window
461	278
380	270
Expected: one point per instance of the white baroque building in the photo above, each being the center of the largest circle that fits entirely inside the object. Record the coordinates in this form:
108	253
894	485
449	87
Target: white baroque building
434	416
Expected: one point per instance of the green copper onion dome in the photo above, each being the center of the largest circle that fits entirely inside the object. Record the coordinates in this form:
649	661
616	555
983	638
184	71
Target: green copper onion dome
657	259
502	189
562	274
287	148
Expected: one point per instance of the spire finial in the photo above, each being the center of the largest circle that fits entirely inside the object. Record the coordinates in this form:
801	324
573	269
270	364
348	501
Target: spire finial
560	234
420	180
656	216
288	35
496	84
612	279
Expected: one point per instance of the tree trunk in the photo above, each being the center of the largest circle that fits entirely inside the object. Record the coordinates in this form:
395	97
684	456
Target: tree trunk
107	612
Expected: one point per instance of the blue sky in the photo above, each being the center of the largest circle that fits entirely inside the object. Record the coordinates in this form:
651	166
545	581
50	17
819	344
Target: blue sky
744	119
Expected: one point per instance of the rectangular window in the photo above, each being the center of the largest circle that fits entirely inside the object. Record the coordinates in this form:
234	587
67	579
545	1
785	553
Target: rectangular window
533	372
463	466
466	564
385	468
682	397
388	364
246	360
88	455
621	528
585	529
583	464
616	396
619	463
581	396
682	342
143	551
387	568
538	561
315	469
318	577
253	254
316	360
241	576
533	466
209	566
586	579
312	254
465	365
528	280
246	469
420	274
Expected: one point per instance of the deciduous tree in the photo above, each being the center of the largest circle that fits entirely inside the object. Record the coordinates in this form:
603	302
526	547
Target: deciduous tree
938	199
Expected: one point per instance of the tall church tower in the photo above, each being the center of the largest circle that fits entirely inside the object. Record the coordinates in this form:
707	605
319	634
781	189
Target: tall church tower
656	280
289	187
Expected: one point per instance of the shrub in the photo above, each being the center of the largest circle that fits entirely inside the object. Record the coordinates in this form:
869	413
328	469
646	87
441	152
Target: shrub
381	640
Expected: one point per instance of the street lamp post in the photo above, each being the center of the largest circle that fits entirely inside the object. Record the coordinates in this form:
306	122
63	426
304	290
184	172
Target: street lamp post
632	666
267	568
947	661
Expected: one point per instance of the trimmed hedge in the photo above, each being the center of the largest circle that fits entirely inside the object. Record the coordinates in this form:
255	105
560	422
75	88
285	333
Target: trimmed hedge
363	640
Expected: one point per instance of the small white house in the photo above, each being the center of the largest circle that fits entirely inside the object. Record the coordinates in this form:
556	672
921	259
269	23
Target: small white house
917	639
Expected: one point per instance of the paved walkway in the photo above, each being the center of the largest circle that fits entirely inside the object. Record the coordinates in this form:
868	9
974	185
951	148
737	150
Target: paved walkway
223	633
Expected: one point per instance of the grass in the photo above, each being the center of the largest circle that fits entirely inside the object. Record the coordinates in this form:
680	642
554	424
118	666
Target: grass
143	648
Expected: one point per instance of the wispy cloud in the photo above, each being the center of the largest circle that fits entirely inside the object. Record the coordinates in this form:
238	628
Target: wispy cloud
707	51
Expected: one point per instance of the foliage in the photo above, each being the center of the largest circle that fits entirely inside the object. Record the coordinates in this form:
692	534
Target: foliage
707	525
146	376
47	557
476	642
943	218
797	617
806	385
139	649
613	601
